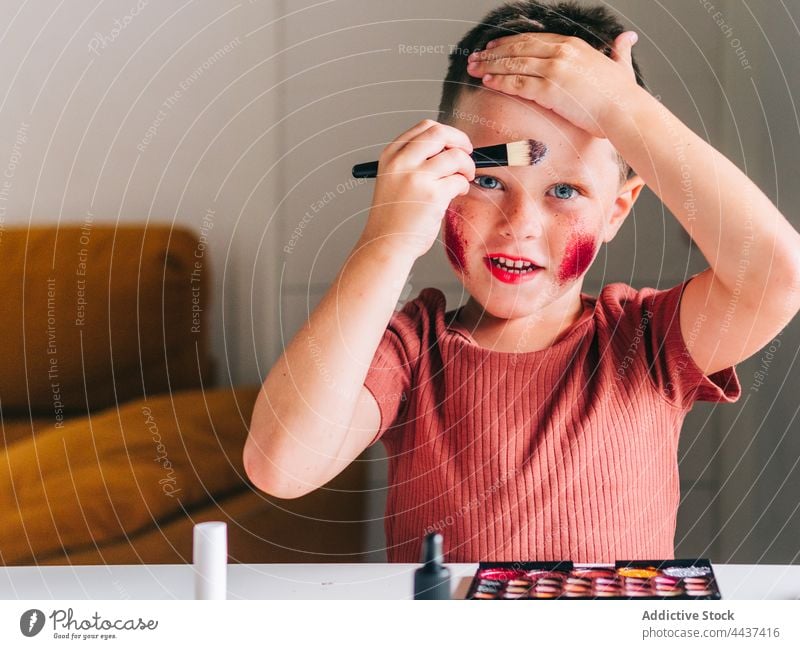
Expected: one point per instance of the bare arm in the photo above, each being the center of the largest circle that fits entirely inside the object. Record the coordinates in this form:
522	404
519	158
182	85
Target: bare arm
752	289
313	416
303	413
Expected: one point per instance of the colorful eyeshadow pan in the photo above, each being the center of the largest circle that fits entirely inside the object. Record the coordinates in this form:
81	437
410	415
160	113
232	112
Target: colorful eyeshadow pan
502	574
544	574
544	595
591	573
671	579
643	573
519	582
484	596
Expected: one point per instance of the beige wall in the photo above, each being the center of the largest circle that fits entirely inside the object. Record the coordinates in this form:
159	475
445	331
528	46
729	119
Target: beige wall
132	110
270	129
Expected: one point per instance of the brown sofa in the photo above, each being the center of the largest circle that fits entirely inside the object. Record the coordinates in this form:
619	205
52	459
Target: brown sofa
115	441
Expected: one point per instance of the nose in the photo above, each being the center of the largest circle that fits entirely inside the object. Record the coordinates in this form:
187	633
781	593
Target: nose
520	217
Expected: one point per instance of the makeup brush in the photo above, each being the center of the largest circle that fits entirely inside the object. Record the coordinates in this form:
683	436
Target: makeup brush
522	153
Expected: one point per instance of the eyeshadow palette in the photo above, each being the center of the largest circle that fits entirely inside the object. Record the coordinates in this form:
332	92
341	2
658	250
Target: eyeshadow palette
671	579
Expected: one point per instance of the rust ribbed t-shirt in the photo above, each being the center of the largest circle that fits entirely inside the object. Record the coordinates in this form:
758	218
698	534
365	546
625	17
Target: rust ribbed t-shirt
565	453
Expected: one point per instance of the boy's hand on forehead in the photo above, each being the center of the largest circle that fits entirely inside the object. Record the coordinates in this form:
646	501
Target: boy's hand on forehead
562	73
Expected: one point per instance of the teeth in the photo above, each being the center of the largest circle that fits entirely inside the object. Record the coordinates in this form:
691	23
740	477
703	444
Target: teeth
516	267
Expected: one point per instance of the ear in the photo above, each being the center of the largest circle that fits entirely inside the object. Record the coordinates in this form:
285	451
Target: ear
628	193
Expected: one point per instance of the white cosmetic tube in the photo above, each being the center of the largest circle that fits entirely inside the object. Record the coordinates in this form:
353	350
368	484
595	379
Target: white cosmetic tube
210	552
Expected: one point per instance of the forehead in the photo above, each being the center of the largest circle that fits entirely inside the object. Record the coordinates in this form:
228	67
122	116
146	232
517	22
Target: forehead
489	117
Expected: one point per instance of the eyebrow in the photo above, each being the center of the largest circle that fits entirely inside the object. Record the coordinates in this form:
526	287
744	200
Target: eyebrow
569	174
572	173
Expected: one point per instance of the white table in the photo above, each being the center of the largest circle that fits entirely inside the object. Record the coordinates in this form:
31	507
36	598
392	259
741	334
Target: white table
314	581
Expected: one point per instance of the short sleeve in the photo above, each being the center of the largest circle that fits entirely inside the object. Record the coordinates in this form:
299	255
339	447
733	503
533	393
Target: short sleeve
670	365
389	377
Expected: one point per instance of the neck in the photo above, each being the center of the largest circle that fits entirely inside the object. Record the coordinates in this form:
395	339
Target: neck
534	332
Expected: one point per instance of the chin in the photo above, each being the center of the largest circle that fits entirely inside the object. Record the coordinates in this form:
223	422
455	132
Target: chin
508	301
510	311
506	307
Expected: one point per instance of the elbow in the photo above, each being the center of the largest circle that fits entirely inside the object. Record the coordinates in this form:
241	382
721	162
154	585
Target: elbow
777	295
789	297
793	275
795	290
268	476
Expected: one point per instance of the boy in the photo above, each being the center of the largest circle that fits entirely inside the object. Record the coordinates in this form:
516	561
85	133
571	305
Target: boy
535	422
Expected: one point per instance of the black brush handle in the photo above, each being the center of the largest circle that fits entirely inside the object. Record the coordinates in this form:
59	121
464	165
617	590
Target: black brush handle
485	156
366	170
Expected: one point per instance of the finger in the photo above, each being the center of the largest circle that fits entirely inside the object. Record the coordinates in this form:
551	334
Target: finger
513	65
456	185
519	85
432	141
529	44
623	44
449	162
460	139
401	140
530	37
450	137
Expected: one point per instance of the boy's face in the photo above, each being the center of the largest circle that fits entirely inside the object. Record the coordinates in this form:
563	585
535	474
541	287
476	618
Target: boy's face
556	213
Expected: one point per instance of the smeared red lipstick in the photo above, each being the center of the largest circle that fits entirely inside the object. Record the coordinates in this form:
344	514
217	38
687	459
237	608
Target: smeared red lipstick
577	258
504	275
454	241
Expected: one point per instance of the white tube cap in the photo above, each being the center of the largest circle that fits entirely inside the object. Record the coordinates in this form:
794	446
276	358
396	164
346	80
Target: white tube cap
210	553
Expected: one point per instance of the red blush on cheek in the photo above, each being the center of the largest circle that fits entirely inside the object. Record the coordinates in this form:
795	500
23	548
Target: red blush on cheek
577	258
454	241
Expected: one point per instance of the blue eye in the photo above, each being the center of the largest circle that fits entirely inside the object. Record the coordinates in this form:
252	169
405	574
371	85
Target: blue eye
478	180
560	191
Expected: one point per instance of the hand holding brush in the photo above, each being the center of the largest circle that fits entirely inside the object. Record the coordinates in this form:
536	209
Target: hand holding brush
522	153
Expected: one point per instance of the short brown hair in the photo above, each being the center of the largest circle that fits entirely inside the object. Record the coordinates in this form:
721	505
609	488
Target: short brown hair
596	25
